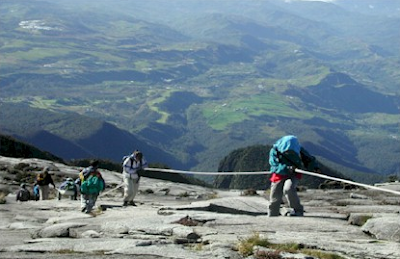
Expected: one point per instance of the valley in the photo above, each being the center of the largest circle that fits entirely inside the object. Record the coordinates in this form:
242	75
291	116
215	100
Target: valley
190	82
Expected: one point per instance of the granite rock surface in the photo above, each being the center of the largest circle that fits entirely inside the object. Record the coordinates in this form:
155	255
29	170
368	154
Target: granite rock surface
174	220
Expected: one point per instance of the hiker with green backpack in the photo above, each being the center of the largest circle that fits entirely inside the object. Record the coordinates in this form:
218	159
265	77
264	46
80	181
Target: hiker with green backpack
285	156
92	183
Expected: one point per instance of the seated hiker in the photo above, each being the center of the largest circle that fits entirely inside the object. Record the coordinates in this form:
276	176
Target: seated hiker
131	167
23	193
69	185
285	156
92	183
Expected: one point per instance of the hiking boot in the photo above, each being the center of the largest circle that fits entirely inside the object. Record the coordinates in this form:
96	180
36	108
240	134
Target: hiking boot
132	203
83	209
295	214
125	204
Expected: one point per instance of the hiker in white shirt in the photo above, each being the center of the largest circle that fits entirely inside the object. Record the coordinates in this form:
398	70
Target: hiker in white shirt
131	166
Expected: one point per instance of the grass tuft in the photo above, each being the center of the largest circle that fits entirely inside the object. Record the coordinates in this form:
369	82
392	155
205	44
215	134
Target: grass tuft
246	248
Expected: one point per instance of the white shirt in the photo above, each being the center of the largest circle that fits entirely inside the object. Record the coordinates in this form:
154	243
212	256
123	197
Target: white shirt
131	166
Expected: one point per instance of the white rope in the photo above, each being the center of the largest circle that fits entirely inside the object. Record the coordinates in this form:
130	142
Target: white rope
113	189
204	173
347	181
268	172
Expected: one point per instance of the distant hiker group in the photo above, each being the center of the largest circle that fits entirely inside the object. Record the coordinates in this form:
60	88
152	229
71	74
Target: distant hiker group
40	187
285	156
89	184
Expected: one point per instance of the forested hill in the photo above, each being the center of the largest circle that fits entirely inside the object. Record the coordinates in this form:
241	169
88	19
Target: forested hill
10	147
13	148
73	136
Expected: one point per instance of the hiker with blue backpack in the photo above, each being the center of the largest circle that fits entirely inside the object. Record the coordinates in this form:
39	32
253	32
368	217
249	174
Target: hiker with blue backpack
91	184
132	166
285	156
68	187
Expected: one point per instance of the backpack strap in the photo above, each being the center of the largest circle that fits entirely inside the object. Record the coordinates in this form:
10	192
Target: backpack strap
131	159
281	155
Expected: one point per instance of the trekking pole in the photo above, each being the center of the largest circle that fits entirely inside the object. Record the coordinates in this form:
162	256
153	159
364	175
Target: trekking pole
346	181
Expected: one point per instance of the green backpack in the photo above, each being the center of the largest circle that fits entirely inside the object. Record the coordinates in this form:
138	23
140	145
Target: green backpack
92	185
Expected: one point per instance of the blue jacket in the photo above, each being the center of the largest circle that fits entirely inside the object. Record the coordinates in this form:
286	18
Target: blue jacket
287	152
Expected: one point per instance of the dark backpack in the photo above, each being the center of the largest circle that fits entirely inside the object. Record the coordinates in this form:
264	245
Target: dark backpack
130	158
23	195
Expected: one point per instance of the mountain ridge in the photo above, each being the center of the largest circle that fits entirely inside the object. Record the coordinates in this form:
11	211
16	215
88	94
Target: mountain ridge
126	73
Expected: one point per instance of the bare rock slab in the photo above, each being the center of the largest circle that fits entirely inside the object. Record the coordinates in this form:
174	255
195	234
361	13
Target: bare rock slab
253	206
384	228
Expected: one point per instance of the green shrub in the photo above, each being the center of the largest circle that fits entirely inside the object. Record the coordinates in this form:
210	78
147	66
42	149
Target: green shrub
245	246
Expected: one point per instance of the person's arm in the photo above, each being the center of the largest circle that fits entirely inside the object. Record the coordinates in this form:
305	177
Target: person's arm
278	164
103	184
144	163
50	180
273	157
309	161
100	176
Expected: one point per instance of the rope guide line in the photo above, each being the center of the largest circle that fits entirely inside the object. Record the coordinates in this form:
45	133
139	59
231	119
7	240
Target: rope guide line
268	172
204	173
347	181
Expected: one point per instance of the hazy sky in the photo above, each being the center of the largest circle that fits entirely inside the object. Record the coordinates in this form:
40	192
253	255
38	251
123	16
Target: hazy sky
311	0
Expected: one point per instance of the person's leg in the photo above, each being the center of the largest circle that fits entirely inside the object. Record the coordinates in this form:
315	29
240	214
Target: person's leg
36	193
40	193
83	202
44	192
290	192
135	189
275	199
75	194
90	201
128	190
